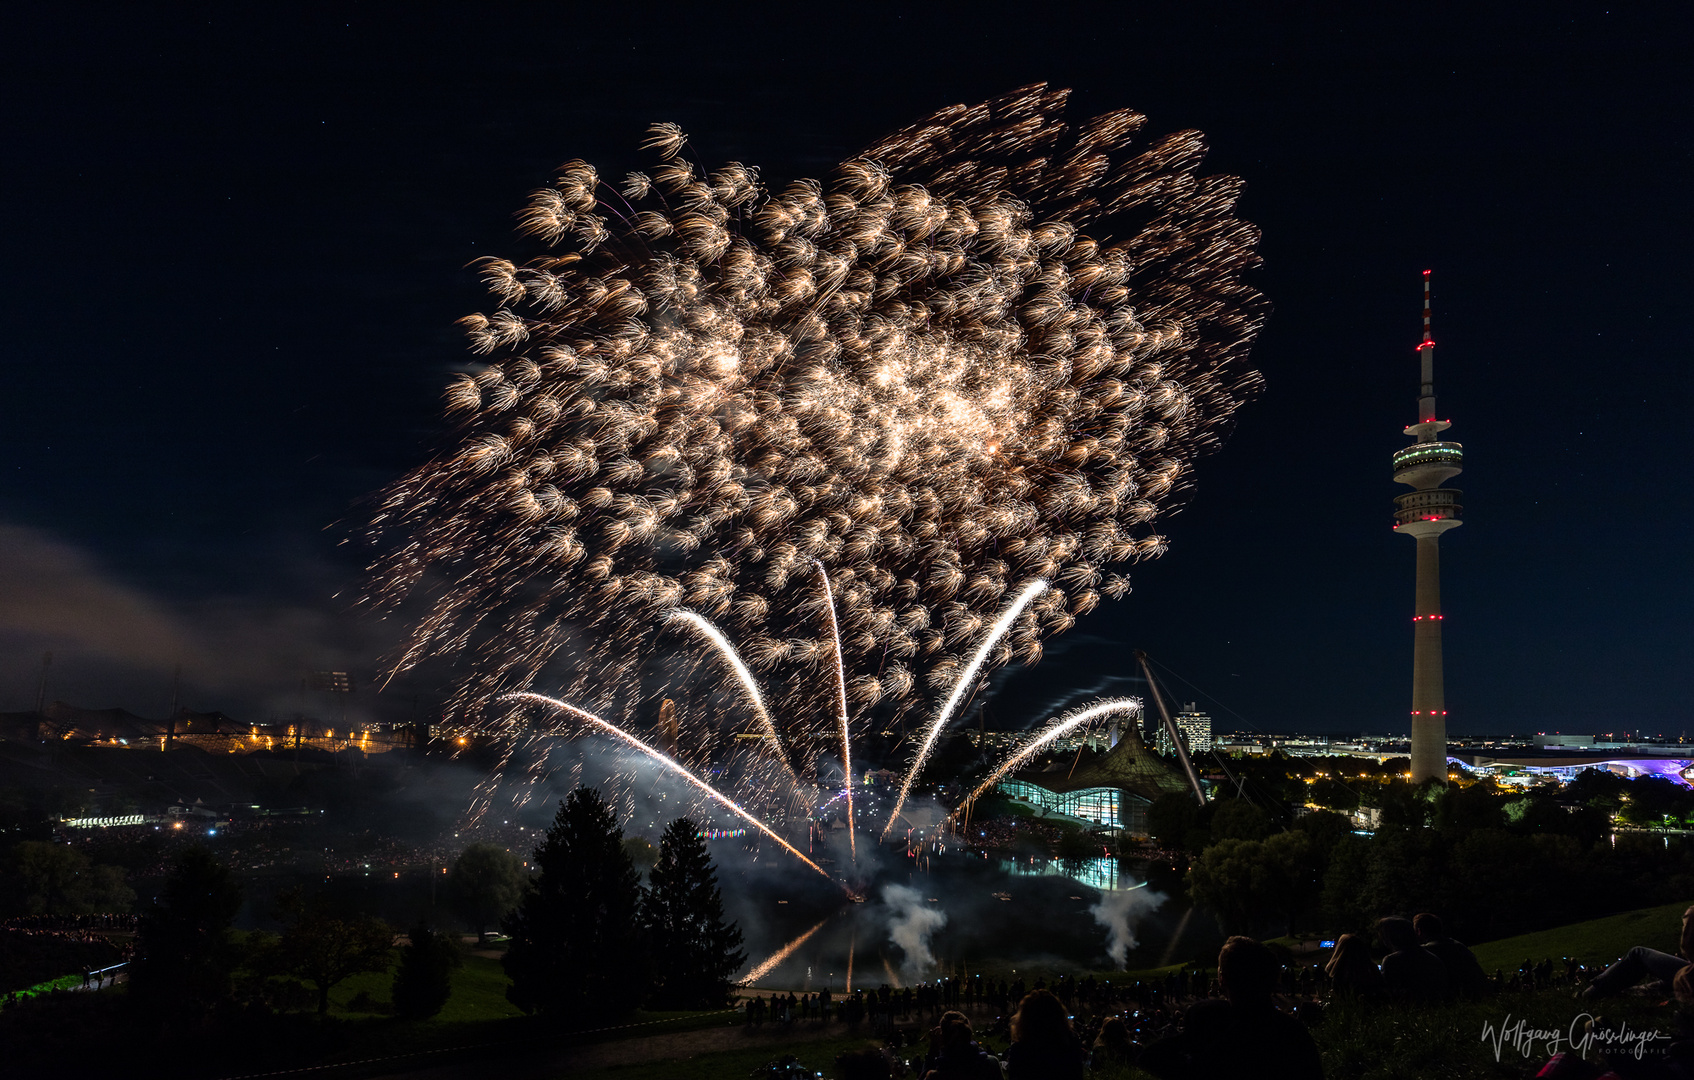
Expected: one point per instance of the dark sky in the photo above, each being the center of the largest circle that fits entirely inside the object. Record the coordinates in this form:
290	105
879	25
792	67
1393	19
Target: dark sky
236	244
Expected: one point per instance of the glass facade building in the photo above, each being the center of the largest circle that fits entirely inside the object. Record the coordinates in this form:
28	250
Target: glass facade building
1101	873
1111	807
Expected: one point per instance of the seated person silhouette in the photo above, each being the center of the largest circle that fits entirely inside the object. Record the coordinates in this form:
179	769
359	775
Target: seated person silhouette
1243	1035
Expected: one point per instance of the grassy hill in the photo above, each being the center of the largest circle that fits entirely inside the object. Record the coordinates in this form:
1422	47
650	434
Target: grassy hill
1595	942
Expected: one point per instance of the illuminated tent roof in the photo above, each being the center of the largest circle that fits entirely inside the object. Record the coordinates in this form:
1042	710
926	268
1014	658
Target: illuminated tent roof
60	720
1128	765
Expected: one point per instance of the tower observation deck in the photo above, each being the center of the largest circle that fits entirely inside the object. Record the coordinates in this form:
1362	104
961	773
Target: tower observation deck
1424	514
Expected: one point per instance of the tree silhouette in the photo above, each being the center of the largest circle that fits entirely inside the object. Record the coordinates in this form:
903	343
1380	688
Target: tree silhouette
424	980
183	952
56	879
576	947
323	949
487	882
694	951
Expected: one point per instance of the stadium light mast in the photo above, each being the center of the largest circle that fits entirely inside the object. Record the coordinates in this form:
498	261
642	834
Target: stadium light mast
1424	514
1171	729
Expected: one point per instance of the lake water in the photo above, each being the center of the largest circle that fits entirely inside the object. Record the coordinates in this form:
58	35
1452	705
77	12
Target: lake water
976	915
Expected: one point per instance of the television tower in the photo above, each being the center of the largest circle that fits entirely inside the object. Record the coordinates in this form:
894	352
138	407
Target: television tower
1424	515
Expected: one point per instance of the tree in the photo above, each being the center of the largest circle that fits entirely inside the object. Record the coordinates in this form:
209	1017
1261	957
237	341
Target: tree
1171	818
1655	802
1460	810
1597	787
1544	811
183	952
1326	830
694	951
48	873
1291	879
642	854
424	980
1238	819
1499	883
57	879
1247	883
1349	862
1334	794
1221	881
324	949
1400	804
576	946
487	882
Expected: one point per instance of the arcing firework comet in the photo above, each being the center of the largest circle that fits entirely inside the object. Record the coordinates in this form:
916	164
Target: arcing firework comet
671	766
922	374
1058	726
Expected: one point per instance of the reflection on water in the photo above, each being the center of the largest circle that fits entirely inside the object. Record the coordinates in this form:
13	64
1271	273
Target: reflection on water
1100	873
1004	915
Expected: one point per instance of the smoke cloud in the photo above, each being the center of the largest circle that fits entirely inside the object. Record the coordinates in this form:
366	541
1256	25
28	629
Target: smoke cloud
911	923
117	641
1118	912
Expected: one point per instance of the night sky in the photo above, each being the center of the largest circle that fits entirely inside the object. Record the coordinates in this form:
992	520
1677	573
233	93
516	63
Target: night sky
237	241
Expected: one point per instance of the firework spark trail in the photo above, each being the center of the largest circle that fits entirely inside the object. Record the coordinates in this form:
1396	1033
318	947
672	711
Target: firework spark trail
765	966
841	688
888	970
749	684
1056	728
965	683
988	348
706	789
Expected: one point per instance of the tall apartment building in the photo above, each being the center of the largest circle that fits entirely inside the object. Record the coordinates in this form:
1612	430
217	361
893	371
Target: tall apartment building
1196	729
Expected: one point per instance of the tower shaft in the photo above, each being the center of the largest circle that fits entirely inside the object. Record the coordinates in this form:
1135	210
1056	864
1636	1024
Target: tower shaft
1429	706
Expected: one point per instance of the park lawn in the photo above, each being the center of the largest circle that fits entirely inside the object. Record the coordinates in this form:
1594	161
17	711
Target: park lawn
1595	942
479	993
477	1014
643	1022
63	982
1464	1039
732	1064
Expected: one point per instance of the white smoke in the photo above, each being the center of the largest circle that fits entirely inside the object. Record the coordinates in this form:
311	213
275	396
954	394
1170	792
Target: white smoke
911	922
1118	912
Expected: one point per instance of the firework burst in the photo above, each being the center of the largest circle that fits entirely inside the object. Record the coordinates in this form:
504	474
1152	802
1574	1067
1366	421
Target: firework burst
987	350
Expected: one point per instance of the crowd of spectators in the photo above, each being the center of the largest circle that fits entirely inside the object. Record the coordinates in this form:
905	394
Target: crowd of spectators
35	949
1012	834
306	845
1250	1015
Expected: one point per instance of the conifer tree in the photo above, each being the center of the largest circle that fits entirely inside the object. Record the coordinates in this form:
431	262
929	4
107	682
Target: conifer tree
576	947
424	980
694	951
184	953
